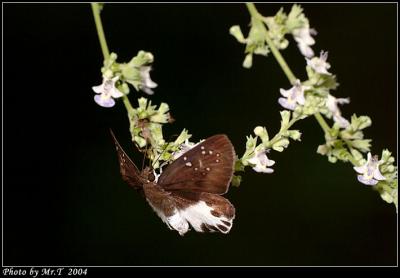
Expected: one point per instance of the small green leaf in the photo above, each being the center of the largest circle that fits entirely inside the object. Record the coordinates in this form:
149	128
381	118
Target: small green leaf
285	115
236	180
294	134
248	61
237	33
262	133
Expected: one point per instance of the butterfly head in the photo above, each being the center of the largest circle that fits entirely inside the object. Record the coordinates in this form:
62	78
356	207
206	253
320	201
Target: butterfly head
148	175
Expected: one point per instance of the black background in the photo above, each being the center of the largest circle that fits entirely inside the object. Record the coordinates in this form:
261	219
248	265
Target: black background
64	200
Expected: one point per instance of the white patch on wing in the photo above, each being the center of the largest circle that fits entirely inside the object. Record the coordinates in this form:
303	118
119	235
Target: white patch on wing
174	222
200	213
196	215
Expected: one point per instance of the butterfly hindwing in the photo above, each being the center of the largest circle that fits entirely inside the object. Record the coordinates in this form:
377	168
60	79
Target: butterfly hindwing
130	173
180	210
208	167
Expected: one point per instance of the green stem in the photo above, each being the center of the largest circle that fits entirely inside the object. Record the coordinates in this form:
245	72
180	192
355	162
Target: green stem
289	74
128	106
100	31
278	136
281	61
104	48
322	123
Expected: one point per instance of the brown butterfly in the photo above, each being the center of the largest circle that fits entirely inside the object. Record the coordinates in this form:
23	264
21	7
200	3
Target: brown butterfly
187	193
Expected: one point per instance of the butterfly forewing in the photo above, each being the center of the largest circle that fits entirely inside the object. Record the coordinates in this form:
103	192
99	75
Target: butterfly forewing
208	167
130	173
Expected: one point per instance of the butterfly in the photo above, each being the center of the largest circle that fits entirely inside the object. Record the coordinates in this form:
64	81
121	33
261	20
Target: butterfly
188	192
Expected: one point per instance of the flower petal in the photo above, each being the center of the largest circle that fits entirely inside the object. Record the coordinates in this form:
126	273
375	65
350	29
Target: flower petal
343	123
147	90
98	89
378	176
261	169
366	181
115	93
305	50
286	104
300	98
104	101
361	169
285	93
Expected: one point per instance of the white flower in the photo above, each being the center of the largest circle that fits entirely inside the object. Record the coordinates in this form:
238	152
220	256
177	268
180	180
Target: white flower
370	171
146	83
107	91
293	96
332	105
303	38
319	64
261	161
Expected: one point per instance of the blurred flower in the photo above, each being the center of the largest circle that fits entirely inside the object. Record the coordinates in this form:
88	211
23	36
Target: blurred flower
370	171
146	83
319	64
107	92
261	161
332	105
303	38
293	96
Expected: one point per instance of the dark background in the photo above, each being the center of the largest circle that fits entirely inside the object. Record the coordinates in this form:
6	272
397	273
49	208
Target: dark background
64	200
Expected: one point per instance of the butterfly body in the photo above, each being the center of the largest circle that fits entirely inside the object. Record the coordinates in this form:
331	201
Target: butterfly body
187	193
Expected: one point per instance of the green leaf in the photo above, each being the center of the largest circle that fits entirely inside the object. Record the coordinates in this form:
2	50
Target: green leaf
248	61
237	33
262	133
294	134
236	180
285	115
359	123
182	137
296	18
280	144
362	145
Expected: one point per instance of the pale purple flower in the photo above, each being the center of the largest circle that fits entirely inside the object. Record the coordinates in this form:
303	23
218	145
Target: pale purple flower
370	174
293	96
261	162
304	39
332	105
320	64
146	83
107	92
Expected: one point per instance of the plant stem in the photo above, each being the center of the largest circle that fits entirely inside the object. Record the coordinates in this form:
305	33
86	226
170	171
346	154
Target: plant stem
128	106
322	123
289	74
100	31
281	61
278	136
104	47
